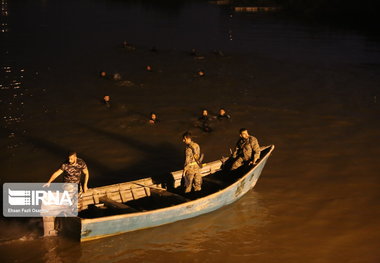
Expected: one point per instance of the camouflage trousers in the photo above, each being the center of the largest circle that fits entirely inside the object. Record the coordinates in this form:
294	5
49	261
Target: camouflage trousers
192	178
237	163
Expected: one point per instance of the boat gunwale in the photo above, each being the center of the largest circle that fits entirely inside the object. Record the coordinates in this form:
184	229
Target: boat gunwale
222	191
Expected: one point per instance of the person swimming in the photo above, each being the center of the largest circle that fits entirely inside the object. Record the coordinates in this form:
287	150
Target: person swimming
223	115
128	46
107	101
116	76
194	53
153	118
103	74
218	52
204	116
204	121
201	73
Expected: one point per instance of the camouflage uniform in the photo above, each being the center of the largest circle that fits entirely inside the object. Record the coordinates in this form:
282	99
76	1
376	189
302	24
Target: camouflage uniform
191	171
73	171
244	150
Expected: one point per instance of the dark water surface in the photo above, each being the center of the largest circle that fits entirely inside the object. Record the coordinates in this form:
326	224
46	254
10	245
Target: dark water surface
313	91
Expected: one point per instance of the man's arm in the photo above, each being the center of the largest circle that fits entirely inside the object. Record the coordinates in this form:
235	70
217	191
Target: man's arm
237	149
87	175
188	156
256	149
53	177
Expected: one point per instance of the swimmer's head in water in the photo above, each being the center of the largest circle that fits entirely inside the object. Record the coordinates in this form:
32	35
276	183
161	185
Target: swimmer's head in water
116	76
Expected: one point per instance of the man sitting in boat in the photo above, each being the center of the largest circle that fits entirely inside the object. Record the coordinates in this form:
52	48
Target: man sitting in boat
191	171
73	168
245	146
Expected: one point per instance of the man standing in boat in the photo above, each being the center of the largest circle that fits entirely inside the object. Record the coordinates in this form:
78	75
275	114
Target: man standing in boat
73	169
191	170
245	147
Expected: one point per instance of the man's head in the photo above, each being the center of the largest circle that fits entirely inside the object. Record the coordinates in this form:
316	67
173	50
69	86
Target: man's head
72	157
222	112
103	74
153	116
204	112
186	137
244	133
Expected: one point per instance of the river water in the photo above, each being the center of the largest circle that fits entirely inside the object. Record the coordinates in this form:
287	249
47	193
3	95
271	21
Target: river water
311	90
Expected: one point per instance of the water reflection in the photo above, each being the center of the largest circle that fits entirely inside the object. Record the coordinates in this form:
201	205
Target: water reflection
12	92
219	230
3	17
248	6
51	246
12	99
60	250
255	9
221	2
4	8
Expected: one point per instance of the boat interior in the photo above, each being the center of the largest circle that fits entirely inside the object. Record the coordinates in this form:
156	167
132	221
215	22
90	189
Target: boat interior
150	194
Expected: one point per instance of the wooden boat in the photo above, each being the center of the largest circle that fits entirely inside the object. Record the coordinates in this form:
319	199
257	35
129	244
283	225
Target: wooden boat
145	203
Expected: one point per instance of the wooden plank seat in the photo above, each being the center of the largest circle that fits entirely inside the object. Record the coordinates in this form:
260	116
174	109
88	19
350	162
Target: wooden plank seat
214	181
116	205
165	193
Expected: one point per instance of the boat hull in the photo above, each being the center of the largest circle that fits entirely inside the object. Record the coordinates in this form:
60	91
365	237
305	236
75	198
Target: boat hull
117	224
